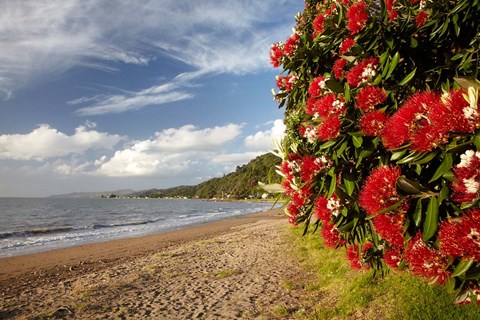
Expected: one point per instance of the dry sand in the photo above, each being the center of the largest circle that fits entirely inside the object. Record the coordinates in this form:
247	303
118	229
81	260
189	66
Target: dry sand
238	268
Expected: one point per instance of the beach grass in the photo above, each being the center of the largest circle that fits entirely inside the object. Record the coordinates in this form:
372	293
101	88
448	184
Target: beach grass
338	292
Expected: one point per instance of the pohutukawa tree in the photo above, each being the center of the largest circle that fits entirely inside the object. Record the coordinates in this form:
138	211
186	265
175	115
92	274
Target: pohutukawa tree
382	151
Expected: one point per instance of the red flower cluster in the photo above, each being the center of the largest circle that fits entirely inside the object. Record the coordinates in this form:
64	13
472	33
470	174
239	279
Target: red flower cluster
326	208
362	72
423	121
329	105
392	13
356	258
285	83
379	191
460	237
299	171
331	236
338	68
291	44
370	96
318	24
390	228
421	18
329	128
346	45
373	123
393	257
276	54
426	261
466	186
463	117
317	87
357	17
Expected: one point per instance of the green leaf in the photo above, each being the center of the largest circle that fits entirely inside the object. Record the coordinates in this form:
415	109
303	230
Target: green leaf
462	267
476	141
334	85
333	185
413	43
328	144
427	158
430	224
393	64
466	82
349	183
397	155
357	141
443	194
444	167
409	187
417	215
408	78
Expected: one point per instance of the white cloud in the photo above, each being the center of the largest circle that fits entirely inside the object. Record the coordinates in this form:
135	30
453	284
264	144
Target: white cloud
171	151
208	36
263	140
46	142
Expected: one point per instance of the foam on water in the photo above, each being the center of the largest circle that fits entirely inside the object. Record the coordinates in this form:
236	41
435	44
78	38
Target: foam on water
31	225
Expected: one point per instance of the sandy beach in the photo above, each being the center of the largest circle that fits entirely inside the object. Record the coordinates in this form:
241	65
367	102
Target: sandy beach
237	268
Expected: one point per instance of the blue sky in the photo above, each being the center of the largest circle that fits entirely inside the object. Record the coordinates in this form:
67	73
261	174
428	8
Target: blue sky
106	95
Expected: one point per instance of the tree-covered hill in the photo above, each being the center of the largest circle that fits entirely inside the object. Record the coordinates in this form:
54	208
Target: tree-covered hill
240	184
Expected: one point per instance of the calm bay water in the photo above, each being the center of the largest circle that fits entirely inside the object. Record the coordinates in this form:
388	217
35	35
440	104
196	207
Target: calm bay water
30	225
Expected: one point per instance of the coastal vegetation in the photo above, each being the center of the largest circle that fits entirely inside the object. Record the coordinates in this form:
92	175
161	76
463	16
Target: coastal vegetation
243	183
382	149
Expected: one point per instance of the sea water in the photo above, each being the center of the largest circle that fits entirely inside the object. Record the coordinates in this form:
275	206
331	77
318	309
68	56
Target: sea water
29	225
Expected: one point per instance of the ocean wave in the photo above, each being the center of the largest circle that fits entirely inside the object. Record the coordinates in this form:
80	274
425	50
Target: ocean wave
34	232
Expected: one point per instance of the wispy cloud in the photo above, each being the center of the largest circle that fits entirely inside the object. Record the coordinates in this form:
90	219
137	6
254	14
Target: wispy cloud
45	37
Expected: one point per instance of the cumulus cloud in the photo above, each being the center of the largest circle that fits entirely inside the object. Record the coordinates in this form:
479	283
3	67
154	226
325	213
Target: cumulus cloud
45	37
45	142
263	140
171	151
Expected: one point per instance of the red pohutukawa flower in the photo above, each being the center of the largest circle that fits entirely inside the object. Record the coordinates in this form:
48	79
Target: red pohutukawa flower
466	186
464	118
390	228
393	257
460	237
330	105
392	13
331	236
276	54
329	128
325	208
310	167
317	87
285	83
357	17
372	123
291	44
421	18
424	260
346	45
338	67
423	121
370	96
379	191
318	24
356	258
362	72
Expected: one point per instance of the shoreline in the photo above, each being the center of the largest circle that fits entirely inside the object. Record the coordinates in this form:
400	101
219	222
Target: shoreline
236	268
85	256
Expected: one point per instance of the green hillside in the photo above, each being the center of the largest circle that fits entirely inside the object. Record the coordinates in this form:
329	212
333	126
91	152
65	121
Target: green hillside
241	184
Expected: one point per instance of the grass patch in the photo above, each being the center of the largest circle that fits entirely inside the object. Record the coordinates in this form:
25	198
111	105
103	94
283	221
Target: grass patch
338	292
226	273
